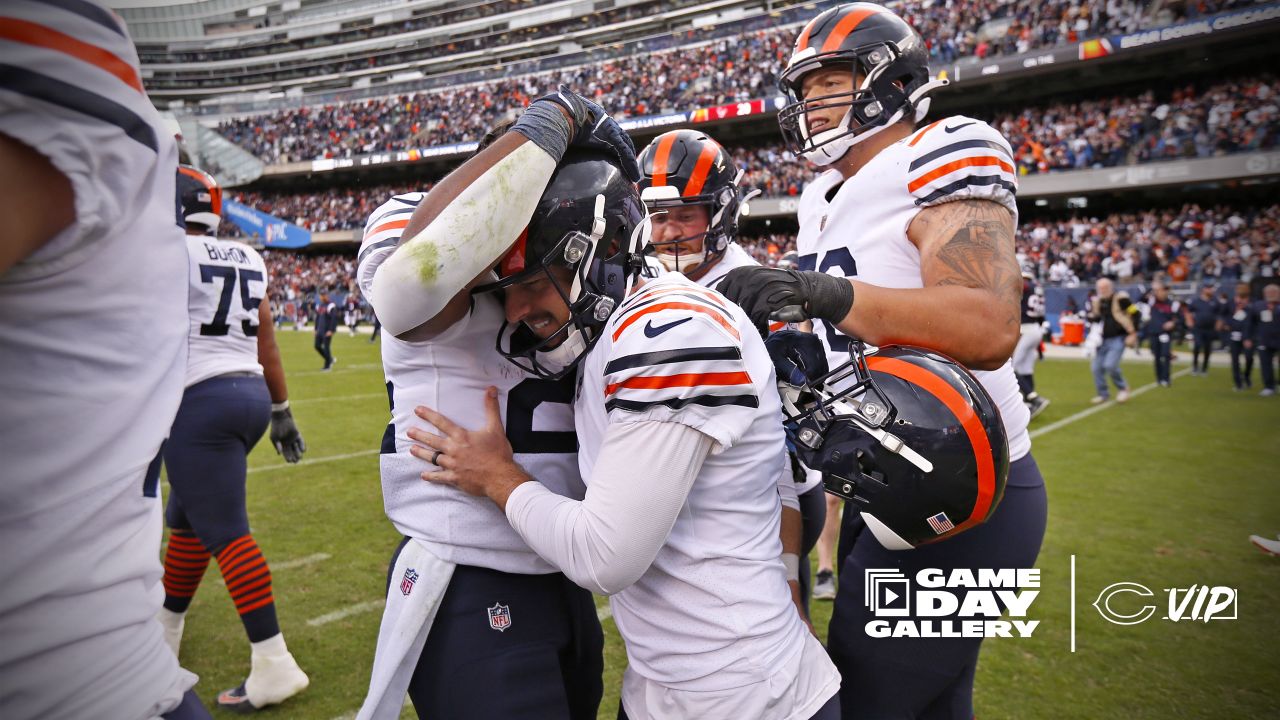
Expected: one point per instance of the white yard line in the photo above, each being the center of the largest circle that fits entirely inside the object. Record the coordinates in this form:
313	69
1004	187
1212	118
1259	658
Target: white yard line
346	612
1098	408
338	368
313	461
365	396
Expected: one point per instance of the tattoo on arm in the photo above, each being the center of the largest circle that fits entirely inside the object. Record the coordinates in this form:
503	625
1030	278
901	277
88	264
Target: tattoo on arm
976	250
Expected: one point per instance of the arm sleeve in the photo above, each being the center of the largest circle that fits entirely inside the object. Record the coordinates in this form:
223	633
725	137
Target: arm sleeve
414	283
787	485
606	541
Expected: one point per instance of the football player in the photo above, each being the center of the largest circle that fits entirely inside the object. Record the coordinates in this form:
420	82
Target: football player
93	346
468	600
908	237
690	187
1027	351
235	387
681	453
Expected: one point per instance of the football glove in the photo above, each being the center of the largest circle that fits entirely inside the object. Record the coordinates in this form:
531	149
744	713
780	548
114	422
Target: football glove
284	433
590	126
787	295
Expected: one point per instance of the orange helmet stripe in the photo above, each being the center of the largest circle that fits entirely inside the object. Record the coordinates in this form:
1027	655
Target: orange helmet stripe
847	25
803	41
951	398
699	176
660	157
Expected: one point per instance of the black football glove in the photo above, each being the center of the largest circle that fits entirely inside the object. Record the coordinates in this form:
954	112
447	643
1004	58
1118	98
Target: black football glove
590	127
284	434
787	295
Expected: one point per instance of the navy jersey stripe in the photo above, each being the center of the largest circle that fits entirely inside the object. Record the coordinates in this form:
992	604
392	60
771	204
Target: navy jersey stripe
693	294
966	182
750	401
389	242
56	92
957	147
664	357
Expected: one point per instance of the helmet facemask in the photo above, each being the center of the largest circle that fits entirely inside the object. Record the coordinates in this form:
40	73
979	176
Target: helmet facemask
722	222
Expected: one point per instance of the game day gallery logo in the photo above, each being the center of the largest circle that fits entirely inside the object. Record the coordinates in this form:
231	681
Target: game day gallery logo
961	603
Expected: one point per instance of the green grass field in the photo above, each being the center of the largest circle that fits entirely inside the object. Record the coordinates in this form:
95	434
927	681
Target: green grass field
1163	491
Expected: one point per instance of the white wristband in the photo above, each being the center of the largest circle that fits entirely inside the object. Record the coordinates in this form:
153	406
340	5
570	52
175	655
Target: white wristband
791	562
280	406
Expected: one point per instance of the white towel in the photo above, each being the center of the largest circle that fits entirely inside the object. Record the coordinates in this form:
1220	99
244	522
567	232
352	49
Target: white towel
418	583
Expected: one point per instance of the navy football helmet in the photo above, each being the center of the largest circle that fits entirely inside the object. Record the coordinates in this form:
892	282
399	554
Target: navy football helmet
687	167
906	434
200	199
874	44
590	220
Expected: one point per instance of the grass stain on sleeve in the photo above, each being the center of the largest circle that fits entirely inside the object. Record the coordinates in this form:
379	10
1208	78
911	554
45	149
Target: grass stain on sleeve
427	258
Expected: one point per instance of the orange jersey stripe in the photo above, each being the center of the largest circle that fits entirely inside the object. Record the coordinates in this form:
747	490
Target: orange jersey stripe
699	176
660	157
948	395
29	33
389	225
716	315
846	25
658	382
979	161
254	606
921	134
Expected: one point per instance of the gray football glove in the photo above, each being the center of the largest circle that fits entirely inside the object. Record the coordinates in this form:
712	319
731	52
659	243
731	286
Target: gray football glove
285	436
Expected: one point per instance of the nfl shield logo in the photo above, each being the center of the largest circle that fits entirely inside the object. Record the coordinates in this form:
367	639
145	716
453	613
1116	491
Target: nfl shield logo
500	617
406	582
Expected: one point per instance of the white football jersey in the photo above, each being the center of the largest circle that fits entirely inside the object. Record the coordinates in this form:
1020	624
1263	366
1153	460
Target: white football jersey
93	340
228	282
734	257
450	373
714	610
861	229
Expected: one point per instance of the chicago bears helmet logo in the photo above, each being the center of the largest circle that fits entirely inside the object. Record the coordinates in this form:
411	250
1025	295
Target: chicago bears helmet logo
500	617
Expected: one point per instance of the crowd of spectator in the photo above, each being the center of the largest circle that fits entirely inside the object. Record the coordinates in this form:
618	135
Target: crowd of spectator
1191	243
326	210
1227	116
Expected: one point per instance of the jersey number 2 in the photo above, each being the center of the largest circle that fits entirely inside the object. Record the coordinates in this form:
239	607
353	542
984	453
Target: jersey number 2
228	275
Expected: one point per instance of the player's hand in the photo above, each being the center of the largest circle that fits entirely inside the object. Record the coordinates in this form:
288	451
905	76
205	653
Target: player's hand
589	127
285	436
477	462
787	295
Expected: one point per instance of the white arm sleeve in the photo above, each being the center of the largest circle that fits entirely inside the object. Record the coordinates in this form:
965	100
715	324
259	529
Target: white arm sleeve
608	540
471	234
787	485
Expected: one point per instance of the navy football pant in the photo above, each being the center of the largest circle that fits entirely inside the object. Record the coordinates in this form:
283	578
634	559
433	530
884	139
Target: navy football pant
189	709
218	423
547	663
927	678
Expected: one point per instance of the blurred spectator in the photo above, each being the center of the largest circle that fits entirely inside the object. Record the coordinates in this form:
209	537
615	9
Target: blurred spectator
1118	316
1264	334
1162	327
1237	322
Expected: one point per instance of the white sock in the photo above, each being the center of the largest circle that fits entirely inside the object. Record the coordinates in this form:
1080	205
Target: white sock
271	647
